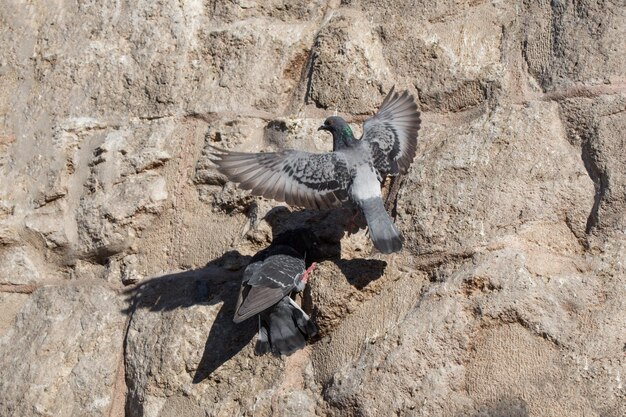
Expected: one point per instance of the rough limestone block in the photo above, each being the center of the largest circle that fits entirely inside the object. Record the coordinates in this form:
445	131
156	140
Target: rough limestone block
504	169
62	354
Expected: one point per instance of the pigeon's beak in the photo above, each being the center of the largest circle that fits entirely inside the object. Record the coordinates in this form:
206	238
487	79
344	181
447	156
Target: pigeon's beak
323	127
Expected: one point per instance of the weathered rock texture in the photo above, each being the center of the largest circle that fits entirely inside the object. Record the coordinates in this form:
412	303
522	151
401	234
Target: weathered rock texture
121	248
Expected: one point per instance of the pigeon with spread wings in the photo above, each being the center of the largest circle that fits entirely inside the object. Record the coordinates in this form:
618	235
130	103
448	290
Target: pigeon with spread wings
268	281
353	171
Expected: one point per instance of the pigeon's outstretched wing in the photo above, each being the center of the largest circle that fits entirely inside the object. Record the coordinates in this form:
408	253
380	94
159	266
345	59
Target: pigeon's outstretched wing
266	282
392	133
298	178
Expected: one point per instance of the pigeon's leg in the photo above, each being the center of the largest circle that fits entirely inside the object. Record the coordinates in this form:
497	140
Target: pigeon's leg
391	197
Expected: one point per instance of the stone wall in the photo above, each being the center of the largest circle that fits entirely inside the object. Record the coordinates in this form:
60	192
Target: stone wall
121	249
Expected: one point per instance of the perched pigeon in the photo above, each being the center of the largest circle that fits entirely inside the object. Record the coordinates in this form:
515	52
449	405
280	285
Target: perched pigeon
268	281
352	171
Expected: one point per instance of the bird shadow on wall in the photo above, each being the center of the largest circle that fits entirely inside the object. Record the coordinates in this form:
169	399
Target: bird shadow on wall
217	282
330	227
220	279
361	272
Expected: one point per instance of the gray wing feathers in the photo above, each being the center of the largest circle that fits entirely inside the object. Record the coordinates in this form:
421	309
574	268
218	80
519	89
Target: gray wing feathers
297	178
392	133
277	271
267	282
255	301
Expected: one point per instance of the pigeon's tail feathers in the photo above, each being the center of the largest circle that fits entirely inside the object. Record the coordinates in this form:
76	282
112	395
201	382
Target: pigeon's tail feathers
289	327
383	232
302	320
263	342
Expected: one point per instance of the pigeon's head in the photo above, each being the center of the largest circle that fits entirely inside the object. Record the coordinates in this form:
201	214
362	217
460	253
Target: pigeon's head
342	134
334	124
